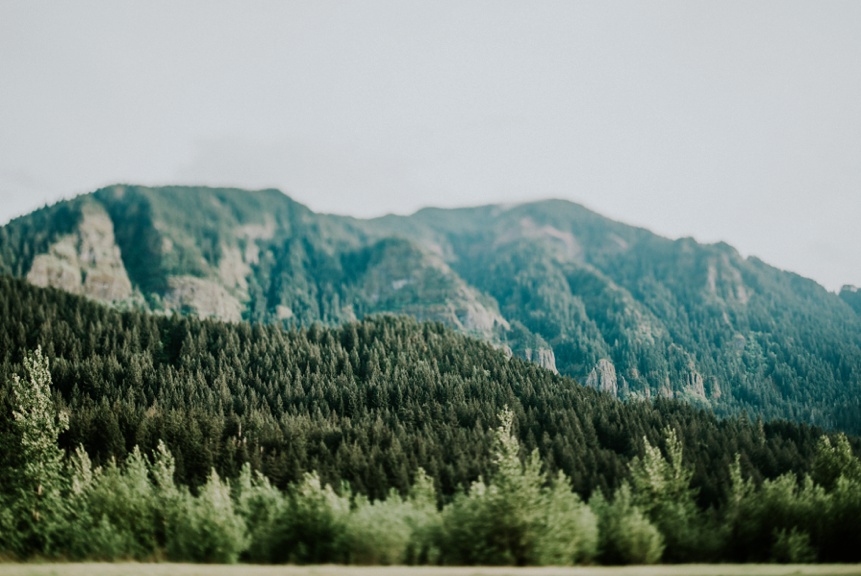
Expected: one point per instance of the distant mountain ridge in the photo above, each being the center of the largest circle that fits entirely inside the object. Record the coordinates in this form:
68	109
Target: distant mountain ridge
618	307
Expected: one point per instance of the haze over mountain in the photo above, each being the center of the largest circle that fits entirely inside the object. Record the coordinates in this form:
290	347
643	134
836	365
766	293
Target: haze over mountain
621	309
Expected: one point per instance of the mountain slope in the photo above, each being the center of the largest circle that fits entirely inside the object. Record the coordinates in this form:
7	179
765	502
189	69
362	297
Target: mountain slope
640	315
366	402
617	307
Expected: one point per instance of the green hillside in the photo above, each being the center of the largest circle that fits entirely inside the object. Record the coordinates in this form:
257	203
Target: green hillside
617	307
367	403
133	435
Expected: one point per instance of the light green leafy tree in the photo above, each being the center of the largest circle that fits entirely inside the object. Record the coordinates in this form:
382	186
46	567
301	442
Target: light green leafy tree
626	536
207	528
569	532
261	505
520	517
781	520
378	532
662	490
37	506
312	528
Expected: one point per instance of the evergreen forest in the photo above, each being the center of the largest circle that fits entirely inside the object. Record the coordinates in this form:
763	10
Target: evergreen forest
131	435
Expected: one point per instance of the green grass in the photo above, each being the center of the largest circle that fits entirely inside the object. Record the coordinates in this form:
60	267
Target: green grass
133	569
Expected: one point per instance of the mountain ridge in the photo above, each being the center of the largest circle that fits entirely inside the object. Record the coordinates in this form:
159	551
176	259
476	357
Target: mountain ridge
616	306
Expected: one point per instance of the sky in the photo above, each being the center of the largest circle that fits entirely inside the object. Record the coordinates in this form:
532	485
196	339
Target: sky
730	121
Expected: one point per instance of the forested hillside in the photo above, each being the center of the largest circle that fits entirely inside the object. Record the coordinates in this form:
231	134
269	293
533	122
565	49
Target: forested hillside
132	435
617	307
367	402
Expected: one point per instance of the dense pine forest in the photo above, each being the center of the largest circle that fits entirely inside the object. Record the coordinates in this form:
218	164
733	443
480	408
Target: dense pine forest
188	439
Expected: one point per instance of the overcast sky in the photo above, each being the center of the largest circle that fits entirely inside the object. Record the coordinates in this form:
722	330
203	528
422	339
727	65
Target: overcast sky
736	121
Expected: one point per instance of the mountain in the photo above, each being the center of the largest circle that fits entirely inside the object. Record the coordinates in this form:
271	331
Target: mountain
617	307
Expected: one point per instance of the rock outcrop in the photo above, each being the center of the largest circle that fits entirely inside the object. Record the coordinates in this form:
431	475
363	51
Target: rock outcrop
603	378
544	357
86	262
203	297
695	385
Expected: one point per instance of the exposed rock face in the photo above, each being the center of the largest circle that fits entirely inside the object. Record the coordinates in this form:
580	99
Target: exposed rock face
473	316
603	377
405	279
724	279
694	384
233	270
86	262
544	357
203	297
666	389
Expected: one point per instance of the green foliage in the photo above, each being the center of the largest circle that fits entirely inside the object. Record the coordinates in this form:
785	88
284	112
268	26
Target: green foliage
378	532
261	506
36	483
626	536
852	296
135	510
206	528
569	529
834	460
516	518
313	528
496	523
365	403
792	547
361	407
774	520
662	491
121	504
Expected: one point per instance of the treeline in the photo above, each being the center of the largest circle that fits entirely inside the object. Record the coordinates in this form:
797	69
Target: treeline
367	404
56	506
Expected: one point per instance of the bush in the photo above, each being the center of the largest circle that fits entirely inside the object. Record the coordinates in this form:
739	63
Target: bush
206	528
569	533
260	505
378	532
792	547
626	536
114	512
311	529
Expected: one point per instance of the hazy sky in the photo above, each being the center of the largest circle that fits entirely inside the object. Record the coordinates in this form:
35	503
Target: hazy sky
736	121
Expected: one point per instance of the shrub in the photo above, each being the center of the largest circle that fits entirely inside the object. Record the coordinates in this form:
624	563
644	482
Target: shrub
311	528
569	532
115	510
260	505
626	536
378	532
207	528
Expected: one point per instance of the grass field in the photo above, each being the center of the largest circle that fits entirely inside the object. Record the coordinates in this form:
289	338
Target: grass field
132	569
